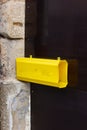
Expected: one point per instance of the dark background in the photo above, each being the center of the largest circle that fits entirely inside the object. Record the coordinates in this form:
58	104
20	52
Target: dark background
58	28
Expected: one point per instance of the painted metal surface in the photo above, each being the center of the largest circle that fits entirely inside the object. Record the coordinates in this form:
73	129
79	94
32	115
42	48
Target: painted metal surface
43	71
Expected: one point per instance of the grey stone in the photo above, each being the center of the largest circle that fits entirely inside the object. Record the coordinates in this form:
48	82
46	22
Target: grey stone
12	18
9	51
15	106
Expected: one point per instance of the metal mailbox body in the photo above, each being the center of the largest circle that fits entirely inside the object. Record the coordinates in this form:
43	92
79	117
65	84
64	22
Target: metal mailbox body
42	71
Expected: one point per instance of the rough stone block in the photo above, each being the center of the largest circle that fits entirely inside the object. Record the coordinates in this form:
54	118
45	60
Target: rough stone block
3	1
9	51
14	106
12	18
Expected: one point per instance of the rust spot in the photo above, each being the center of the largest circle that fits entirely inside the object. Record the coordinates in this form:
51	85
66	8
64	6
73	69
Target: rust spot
18	24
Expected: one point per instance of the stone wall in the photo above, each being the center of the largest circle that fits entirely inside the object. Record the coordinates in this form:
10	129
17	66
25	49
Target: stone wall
14	95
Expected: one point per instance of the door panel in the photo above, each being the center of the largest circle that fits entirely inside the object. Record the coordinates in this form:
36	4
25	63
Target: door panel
58	109
61	31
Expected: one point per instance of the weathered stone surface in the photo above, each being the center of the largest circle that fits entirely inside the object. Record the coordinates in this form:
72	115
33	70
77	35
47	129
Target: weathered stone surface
3	1
12	17
9	51
14	106
14	95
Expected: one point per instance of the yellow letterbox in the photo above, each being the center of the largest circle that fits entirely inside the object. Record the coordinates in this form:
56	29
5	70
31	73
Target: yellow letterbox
43	71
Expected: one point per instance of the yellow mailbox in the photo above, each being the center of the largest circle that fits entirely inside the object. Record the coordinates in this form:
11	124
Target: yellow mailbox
43	71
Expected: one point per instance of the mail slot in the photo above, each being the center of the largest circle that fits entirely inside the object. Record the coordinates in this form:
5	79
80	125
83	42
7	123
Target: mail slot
43	71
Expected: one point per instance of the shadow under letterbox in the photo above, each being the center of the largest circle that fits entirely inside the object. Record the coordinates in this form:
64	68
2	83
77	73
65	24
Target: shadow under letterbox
72	73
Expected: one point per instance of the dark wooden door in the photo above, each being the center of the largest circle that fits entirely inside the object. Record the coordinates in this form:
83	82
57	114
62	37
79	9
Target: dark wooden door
61	31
